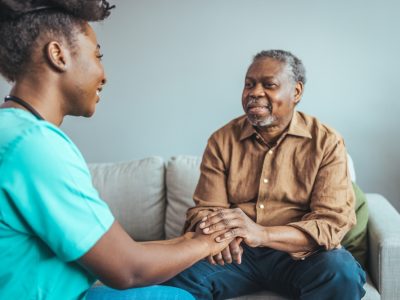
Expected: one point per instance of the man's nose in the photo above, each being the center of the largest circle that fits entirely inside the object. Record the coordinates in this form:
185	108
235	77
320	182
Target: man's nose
257	91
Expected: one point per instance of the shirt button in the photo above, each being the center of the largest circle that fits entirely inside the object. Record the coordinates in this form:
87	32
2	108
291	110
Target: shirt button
261	206
265	180
270	152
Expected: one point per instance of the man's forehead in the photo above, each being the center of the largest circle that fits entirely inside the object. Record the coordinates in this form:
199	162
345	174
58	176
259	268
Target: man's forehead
267	67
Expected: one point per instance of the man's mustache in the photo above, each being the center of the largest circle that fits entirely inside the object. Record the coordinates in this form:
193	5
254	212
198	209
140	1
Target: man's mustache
254	102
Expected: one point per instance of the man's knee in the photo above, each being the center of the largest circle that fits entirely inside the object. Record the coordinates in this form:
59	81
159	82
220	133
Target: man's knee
341	263
339	270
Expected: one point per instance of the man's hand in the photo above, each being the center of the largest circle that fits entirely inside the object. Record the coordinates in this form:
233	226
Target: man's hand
232	253
237	224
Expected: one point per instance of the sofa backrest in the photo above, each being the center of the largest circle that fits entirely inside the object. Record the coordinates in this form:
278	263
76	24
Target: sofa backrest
182	175
150	198
135	193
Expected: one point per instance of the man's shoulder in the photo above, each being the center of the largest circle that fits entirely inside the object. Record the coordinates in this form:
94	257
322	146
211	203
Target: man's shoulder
318	130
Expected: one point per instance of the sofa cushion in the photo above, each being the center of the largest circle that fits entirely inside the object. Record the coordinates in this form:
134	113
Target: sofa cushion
183	172
135	192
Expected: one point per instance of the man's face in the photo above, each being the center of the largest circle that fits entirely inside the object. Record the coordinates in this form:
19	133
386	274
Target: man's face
270	94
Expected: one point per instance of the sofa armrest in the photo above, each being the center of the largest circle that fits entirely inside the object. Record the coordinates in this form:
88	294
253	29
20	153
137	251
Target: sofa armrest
384	246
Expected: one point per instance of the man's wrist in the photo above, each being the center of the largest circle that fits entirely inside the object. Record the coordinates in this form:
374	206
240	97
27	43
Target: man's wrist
264	237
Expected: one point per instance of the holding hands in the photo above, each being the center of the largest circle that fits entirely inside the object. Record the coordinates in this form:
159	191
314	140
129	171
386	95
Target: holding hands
228	224
215	246
232	253
235	223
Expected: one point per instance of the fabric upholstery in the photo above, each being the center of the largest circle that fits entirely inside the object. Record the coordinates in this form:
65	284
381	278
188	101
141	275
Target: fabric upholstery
384	246
135	192
182	175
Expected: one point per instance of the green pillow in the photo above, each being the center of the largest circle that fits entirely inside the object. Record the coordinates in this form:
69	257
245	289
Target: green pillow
355	240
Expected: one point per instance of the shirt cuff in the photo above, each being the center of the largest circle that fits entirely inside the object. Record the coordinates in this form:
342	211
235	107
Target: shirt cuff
320	232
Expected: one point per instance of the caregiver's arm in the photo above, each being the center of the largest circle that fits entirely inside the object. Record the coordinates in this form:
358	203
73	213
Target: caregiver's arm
120	262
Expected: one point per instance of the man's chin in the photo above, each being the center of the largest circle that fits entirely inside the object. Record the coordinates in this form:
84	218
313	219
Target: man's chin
261	122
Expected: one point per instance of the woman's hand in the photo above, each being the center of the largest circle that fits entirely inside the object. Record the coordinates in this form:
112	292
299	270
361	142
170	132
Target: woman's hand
215	246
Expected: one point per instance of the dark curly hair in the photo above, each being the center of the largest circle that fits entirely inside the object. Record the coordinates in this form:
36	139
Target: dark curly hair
22	22
296	65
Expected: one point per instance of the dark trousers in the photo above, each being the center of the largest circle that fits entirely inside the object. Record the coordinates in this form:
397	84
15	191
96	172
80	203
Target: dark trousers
331	274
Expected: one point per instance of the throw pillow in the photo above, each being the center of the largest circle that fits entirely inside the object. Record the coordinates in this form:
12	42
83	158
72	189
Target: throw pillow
355	240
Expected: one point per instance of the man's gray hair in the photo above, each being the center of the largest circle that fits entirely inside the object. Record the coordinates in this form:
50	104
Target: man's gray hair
292	62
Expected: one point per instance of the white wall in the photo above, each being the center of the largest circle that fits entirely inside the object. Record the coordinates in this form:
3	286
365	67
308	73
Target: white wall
175	73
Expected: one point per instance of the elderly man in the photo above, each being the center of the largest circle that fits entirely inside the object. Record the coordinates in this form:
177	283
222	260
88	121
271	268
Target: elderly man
278	179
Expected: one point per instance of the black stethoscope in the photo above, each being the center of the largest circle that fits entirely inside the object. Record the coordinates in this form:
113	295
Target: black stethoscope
24	104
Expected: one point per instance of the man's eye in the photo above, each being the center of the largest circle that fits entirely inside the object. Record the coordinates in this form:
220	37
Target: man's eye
248	85
99	56
268	85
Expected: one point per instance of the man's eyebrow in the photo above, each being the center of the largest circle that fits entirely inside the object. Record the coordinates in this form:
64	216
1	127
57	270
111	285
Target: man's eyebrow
98	47
262	78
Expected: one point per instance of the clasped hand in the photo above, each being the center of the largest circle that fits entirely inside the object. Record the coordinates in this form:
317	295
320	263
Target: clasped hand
234	223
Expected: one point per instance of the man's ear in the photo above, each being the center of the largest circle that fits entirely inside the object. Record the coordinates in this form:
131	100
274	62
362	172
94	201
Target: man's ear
298	91
56	55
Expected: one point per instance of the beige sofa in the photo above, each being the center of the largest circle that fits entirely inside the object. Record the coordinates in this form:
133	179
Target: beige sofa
149	197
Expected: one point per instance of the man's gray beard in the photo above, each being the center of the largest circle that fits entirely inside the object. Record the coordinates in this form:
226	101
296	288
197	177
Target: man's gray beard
261	122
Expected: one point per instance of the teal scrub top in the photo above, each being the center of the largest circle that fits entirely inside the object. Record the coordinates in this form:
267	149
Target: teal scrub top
50	213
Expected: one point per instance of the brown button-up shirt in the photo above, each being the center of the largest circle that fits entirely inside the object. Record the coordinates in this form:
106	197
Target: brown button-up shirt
303	181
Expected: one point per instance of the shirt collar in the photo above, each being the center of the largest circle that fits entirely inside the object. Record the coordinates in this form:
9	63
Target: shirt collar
297	127
247	130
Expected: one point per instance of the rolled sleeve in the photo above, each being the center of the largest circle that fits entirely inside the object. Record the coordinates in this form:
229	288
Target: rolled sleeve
332	201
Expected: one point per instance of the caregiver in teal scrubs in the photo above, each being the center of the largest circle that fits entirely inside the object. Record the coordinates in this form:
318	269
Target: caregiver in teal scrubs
56	235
